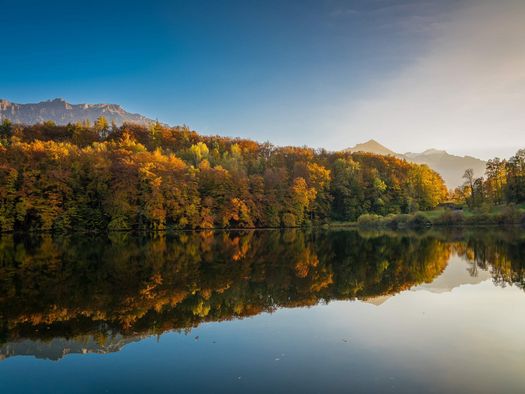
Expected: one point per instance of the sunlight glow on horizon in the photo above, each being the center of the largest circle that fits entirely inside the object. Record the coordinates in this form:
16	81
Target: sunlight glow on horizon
411	75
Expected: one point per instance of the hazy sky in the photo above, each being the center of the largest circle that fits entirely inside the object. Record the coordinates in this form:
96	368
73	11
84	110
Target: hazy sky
446	74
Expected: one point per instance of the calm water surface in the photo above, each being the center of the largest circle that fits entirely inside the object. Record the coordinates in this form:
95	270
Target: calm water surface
264	311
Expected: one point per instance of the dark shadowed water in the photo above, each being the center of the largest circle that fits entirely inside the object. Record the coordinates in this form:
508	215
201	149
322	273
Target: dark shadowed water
264	311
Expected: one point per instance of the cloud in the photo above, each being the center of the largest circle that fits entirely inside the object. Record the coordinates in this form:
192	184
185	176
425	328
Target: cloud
406	16
465	92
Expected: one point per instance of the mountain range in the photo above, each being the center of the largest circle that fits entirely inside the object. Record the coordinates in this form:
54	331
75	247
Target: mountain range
61	112
450	167
59	347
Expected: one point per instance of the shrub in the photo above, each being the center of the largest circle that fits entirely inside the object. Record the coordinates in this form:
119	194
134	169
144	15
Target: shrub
510	215
450	218
419	221
289	220
481	218
370	220
397	221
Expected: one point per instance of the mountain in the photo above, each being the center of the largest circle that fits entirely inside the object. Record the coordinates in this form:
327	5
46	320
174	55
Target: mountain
61	112
57	348
450	167
372	146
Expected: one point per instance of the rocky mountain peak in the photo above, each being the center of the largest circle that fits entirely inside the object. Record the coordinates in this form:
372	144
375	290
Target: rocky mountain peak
372	146
62	112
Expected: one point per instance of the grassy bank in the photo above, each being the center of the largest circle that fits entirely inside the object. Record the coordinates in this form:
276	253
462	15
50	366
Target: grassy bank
498	215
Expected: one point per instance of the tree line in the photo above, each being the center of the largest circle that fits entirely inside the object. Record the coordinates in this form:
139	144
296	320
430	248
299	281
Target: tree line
503	183
132	177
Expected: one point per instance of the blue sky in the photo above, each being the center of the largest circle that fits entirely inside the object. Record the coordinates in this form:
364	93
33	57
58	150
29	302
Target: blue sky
319	73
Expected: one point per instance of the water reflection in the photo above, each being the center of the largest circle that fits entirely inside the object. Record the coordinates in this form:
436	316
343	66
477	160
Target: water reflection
96	294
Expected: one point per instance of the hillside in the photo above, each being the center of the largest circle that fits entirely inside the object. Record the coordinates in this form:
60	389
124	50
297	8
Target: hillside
61	112
63	178
450	167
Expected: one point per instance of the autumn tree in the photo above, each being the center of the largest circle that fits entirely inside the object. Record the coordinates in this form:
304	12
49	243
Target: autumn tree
82	177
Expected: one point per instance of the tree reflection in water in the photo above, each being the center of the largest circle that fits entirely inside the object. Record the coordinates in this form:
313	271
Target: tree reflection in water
107	289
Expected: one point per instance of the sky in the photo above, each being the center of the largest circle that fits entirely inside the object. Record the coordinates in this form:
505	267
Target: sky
412	74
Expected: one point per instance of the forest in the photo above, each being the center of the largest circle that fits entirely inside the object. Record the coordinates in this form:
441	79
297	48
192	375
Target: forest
100	177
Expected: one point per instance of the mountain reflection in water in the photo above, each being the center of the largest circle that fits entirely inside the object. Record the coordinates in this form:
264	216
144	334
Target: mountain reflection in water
87	294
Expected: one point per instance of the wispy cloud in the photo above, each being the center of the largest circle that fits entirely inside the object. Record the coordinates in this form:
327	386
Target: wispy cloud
408	16
466	90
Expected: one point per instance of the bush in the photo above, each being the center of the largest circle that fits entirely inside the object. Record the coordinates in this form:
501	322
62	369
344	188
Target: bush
510	215
450	218
481	218
370	220
289	220
419	221
398	221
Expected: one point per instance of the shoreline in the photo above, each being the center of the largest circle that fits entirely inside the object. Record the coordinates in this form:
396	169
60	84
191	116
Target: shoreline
384	223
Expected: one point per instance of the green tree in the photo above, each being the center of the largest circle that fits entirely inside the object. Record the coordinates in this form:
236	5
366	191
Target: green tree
6	128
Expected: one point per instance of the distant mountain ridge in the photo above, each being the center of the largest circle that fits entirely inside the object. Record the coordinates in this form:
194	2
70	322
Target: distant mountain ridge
450	167
59	347
61	112
372	146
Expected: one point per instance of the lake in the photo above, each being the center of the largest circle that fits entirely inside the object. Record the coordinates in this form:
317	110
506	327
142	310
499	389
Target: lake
264	311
